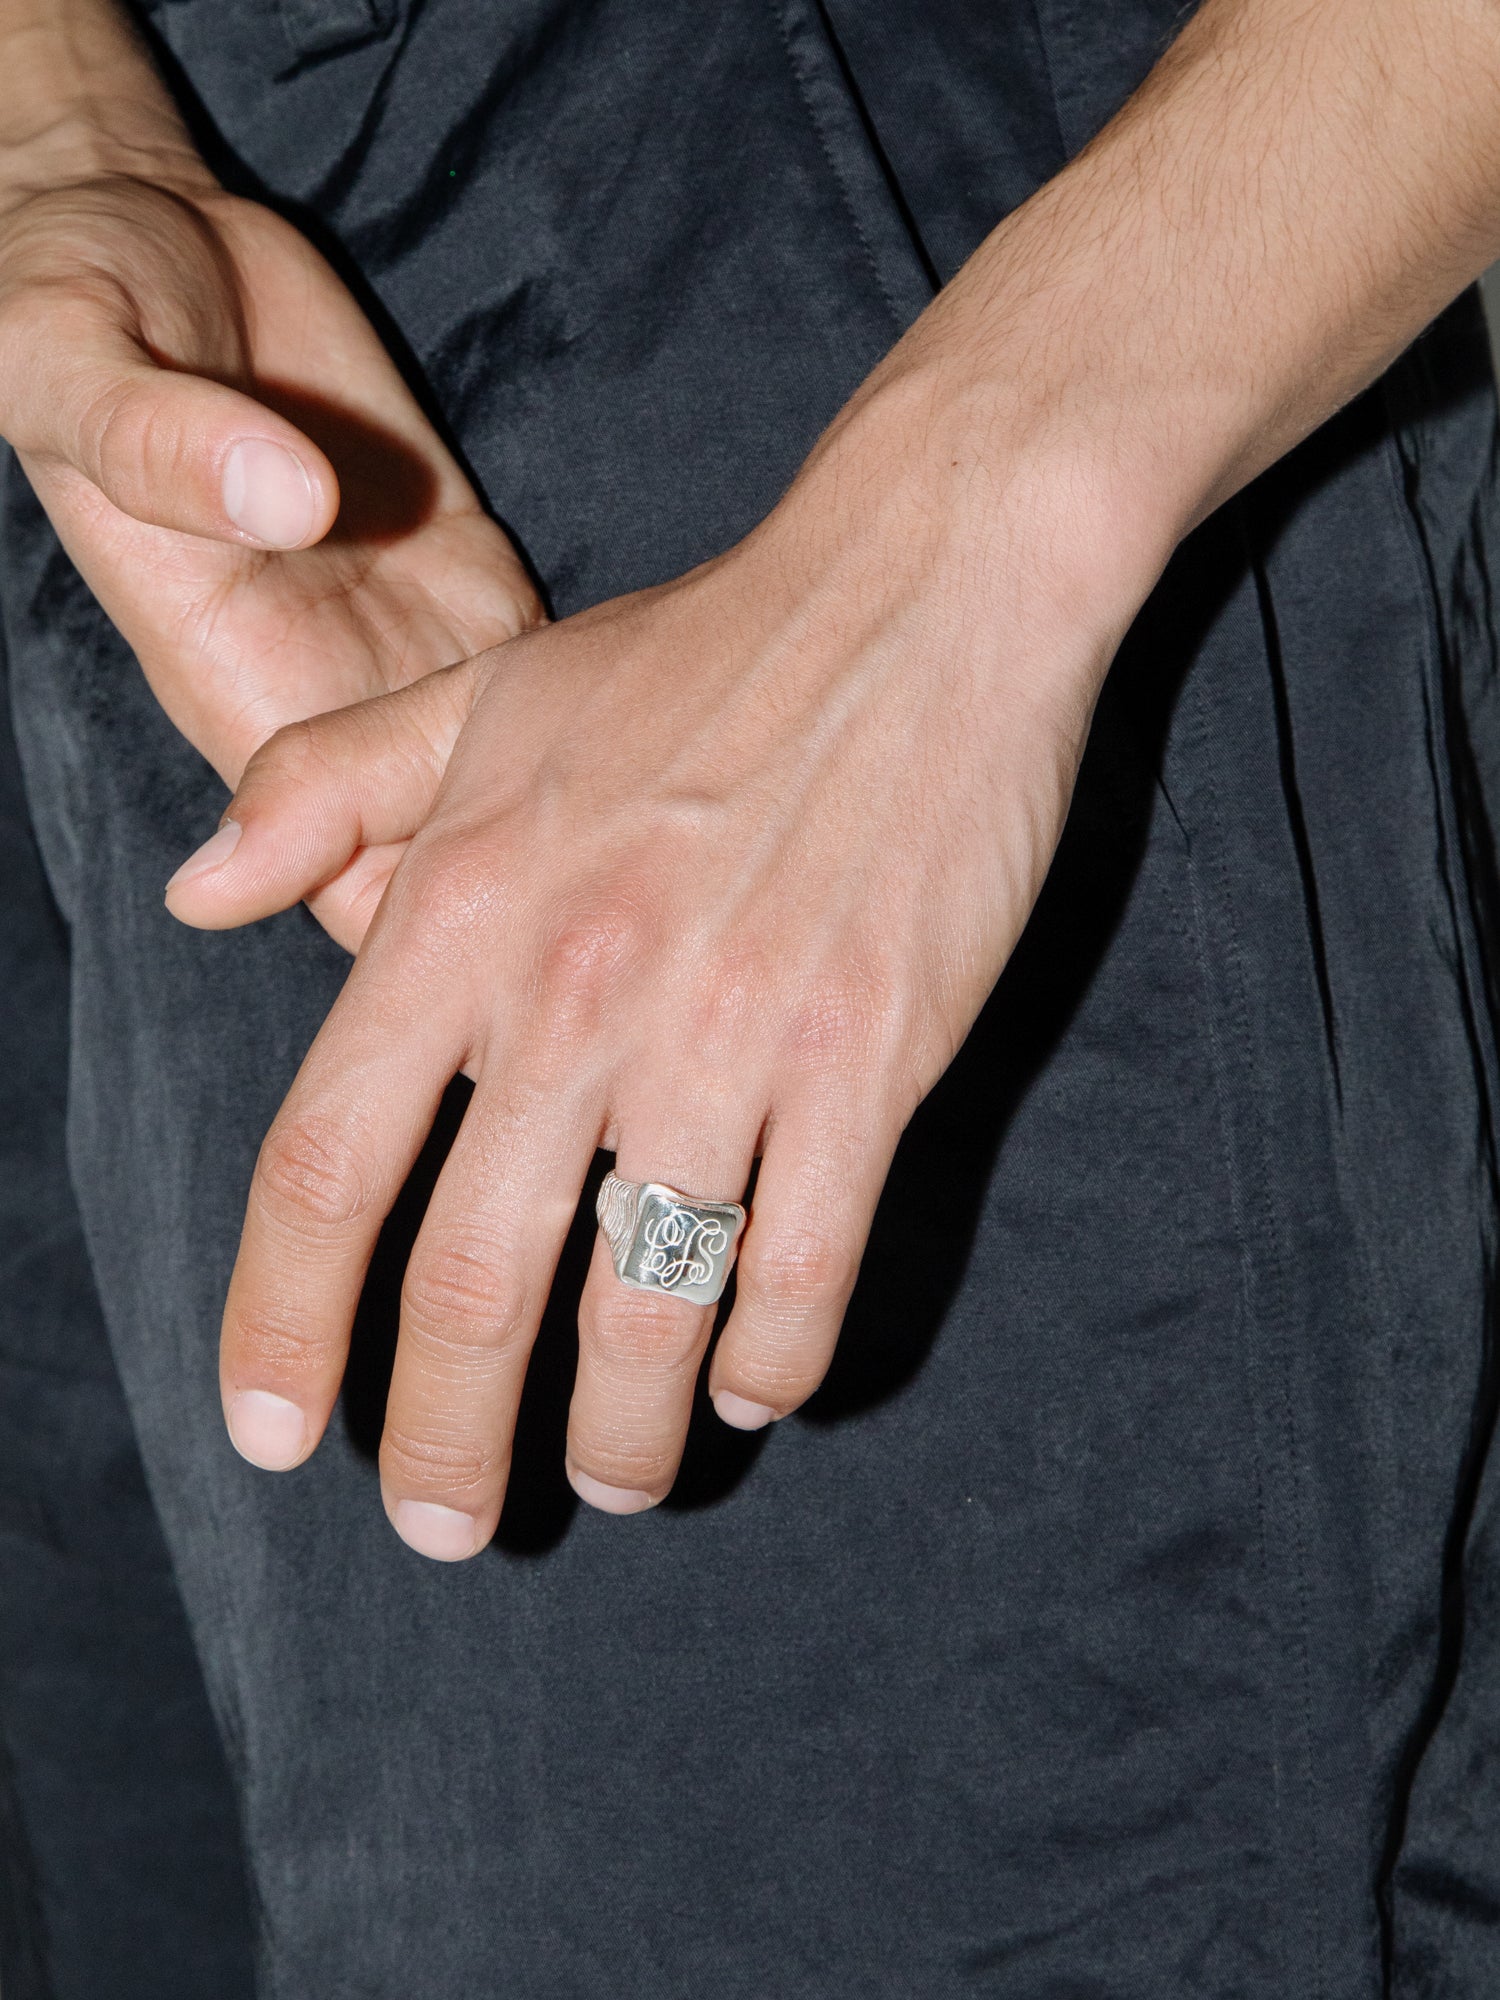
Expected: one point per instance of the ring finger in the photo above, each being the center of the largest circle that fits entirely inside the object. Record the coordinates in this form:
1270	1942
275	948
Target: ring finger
639	1351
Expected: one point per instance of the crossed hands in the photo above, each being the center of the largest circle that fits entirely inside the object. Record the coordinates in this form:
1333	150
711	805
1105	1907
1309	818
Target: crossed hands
723	869
718	871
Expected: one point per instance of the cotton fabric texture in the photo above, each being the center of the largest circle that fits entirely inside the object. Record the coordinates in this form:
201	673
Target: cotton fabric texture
1121	1618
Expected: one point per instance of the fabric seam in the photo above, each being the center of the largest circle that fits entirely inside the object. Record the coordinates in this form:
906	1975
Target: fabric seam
840	179
1458	896
1255	1213
1191	929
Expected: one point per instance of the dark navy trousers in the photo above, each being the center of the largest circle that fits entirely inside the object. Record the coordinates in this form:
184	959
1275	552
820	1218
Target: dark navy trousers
1122	1620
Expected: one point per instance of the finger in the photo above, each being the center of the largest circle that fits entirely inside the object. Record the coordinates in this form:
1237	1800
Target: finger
168	448
347	905
331	1166
639	1352
475	1289
820	1179
316	793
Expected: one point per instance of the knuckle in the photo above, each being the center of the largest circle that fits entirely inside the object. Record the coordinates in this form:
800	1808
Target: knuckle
781	1376
799	1270
277	1343
463	1297
417	1458
641	1333
309	1173
289	756
117	426
618	1462
843	1016
592	951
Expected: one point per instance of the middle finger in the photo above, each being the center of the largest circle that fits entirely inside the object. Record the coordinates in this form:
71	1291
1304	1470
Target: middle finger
475	1288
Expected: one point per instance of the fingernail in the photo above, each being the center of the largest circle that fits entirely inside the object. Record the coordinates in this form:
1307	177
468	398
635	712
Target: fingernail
609	1499
443	1533
740	1412
267	493
266	1429
214	852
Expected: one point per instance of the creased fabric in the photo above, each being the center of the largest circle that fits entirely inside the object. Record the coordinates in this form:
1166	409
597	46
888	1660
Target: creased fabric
1115	1620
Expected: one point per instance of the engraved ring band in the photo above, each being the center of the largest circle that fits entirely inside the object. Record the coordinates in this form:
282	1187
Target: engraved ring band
664	1241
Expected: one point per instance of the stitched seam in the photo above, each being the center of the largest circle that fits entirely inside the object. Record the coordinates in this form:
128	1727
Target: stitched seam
1272	1321
1191	929
840	180
1364	1271
1456	891
1044	36
1450	851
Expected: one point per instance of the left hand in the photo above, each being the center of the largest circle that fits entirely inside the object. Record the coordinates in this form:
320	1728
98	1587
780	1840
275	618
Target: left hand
723	867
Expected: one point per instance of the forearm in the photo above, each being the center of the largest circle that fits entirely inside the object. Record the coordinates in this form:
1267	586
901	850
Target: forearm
80	96
1298	188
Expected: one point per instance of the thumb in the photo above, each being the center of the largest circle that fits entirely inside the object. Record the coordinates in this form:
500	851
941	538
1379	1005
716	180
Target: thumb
168	448
317	793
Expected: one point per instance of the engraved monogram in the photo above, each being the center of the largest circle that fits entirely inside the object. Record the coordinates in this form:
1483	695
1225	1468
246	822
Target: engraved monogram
682	1247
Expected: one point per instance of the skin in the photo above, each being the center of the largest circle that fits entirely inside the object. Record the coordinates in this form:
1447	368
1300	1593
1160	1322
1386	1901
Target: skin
149	325
727	868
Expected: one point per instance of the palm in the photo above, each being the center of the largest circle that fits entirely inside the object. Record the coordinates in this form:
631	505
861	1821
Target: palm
236	641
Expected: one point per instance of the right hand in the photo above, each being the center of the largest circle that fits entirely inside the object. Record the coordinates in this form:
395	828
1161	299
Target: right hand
156	344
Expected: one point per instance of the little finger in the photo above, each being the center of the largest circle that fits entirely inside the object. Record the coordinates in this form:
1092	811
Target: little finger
820	1178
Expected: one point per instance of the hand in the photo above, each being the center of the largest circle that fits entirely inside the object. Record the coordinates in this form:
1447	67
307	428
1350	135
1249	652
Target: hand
735	872
157	342
726	866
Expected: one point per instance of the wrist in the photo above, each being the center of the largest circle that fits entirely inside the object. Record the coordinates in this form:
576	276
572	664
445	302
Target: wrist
81	101
1011	494
990	549
1224	266
1053	421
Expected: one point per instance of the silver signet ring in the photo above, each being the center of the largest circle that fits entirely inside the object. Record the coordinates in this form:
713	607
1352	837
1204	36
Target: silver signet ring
664	1241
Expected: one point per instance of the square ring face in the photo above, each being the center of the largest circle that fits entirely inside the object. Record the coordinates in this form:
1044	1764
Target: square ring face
677	1246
